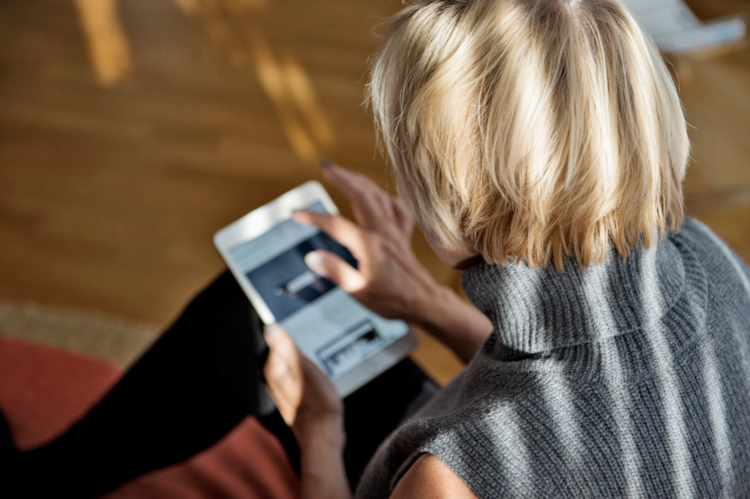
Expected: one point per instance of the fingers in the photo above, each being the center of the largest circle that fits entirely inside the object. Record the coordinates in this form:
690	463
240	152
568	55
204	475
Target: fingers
283	359
331	266
281	343
317	376
403	217
342	230
370	203
349	182
283	371
298	387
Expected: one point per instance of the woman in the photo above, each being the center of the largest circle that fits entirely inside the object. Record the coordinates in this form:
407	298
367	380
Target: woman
541	145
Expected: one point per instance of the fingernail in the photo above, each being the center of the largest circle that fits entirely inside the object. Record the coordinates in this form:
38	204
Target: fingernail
326	164
313	260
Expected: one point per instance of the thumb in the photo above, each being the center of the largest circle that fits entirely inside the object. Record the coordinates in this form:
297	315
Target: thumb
283	354
331	266
277	338
283	372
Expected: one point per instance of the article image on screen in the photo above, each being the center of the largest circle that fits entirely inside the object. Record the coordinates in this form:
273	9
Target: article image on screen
287	285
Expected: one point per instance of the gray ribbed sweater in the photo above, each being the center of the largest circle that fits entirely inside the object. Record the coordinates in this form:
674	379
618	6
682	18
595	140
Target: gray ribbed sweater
628	379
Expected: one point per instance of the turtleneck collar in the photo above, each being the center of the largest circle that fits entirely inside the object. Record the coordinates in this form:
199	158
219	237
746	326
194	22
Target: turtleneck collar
538	310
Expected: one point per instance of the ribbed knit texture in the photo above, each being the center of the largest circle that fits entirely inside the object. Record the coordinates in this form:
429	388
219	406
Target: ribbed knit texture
628	379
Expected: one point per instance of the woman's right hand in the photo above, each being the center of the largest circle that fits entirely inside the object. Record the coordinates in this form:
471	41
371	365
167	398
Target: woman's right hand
389	279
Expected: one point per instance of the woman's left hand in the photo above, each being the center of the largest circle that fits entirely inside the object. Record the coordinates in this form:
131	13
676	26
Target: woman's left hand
305	397
309	404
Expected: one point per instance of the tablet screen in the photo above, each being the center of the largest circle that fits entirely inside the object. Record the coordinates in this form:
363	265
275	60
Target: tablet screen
328	325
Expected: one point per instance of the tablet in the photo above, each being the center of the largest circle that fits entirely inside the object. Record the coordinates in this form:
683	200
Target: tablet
265	251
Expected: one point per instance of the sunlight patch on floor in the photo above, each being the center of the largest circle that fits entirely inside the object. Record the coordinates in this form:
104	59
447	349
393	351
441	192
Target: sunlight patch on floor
233	31
108	46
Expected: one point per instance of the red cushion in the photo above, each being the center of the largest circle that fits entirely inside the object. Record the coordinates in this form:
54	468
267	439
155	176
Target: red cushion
43	390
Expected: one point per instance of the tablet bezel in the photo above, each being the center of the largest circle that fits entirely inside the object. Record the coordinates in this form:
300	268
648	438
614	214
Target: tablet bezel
265	218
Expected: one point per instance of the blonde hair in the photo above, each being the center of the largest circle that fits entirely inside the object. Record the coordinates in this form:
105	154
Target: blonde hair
531	129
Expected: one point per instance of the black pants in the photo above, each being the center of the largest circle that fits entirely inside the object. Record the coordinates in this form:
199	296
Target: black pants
193	386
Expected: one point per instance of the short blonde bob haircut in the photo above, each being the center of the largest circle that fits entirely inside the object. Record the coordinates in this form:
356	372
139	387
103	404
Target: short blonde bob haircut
531	129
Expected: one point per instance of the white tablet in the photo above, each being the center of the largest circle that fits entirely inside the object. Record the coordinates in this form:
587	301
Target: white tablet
265	251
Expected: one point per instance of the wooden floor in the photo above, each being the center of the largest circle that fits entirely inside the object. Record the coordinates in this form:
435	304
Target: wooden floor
131	131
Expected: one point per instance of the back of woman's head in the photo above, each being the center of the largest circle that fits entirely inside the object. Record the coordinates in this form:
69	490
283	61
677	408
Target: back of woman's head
531	129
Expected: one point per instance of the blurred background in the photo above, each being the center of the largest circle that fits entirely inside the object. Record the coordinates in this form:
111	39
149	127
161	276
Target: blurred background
132	130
